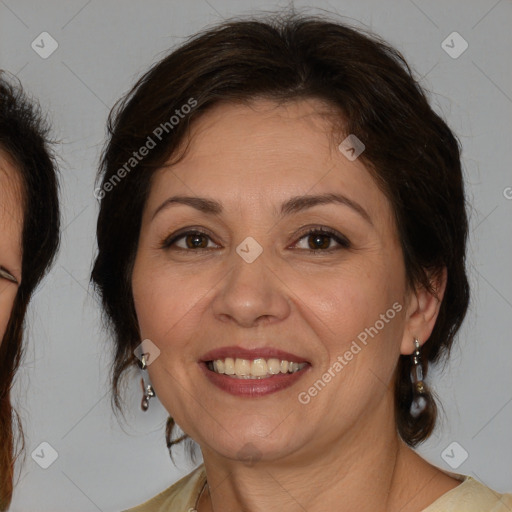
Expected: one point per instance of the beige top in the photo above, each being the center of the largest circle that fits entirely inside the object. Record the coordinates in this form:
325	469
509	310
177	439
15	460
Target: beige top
469	496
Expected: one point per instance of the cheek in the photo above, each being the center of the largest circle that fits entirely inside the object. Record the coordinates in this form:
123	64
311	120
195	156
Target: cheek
167	302
358	315
352	299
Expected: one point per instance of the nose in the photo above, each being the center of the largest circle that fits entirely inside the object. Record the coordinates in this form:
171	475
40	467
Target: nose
251	294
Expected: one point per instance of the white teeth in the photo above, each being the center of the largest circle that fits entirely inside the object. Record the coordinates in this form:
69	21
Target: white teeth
256	369
259	368
274	366
229	366
219	366
242	367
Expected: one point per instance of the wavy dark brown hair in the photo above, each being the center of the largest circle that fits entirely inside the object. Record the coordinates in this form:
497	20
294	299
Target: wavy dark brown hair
24	137
411	152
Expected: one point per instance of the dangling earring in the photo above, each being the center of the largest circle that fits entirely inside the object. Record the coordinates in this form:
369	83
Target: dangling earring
419	402
147	394
147	390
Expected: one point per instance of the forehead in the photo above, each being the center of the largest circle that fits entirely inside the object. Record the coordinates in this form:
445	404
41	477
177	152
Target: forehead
266	152
262	130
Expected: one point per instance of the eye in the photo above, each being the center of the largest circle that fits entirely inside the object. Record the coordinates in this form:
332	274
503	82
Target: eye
193	239
320	238
196	240
5	274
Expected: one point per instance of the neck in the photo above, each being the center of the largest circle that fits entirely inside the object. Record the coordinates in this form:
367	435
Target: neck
366	469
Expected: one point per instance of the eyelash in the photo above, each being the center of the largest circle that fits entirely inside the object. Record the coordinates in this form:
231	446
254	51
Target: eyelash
340	239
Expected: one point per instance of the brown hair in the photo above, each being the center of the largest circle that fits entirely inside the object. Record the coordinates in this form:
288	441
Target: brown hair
412	154
24	137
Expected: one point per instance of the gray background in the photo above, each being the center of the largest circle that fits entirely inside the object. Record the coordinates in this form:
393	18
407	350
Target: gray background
62	391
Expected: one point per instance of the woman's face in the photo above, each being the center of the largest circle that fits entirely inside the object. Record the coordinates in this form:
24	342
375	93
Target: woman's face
11	220
251	280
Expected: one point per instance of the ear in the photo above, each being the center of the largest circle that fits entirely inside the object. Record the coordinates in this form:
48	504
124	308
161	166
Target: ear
422	311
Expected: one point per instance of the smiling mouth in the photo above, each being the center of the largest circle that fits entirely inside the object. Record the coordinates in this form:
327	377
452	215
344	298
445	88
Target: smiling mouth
259	368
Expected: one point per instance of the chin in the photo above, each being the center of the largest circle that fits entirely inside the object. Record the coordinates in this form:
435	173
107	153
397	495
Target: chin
252	444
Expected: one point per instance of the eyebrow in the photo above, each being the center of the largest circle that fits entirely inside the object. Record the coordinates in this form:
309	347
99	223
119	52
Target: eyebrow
293	205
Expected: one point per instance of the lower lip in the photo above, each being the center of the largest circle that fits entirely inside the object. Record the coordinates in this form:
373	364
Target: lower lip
253	387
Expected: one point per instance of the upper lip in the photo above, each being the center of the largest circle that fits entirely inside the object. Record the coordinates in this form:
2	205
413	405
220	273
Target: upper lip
255	353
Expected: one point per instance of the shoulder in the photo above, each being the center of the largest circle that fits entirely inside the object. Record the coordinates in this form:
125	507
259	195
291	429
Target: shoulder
471	496
180	497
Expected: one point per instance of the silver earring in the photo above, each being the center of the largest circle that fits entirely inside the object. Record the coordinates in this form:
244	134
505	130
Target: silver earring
419	402
147	390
